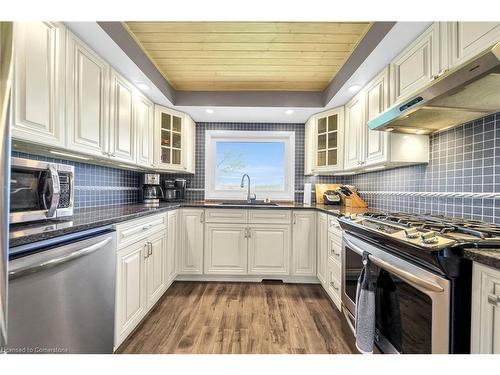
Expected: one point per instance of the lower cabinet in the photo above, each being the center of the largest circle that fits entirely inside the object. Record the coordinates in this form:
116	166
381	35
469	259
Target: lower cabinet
172	245
226	249
304	243
269	249
333	282
190	259
322	248
155	261
485	328
130	289
141	277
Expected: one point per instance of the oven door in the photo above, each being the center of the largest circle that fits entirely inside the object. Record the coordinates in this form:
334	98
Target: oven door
412	304
34	190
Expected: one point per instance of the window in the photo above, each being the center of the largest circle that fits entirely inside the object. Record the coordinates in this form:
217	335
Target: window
267	157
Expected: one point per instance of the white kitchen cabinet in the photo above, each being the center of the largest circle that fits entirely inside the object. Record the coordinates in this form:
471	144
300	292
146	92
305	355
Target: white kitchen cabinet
172	245
304	243
226	249
174	145
333	286
87	102
354	128
322	253
144	129
468	39
191	241
269	249
416	66
39	78
122	124
156	282
324	134
375	143
485	328
130	289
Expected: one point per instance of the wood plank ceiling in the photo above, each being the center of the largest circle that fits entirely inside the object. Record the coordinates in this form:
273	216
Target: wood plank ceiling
254	56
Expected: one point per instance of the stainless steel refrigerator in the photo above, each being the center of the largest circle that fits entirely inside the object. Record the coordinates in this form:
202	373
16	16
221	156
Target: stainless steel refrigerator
5	119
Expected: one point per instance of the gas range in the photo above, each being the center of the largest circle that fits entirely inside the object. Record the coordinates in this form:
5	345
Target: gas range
424	272
430	232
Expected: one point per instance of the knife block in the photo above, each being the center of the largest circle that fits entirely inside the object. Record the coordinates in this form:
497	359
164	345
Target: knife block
354	201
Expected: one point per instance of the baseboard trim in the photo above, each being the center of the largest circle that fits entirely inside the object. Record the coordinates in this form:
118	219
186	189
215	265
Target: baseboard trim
250	279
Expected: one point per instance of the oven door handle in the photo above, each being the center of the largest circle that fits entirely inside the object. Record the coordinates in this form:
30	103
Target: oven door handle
55	190
408	277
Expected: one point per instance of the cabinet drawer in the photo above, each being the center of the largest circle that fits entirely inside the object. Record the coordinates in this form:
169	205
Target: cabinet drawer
334	247
269	216
334	285
134	230
217	215
333	225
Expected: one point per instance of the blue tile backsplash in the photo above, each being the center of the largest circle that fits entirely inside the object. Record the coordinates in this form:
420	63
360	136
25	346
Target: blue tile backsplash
462	178
98	186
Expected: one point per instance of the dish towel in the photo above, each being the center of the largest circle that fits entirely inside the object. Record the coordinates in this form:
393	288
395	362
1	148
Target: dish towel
365	309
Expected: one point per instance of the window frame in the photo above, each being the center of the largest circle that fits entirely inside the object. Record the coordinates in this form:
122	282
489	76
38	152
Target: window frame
214	136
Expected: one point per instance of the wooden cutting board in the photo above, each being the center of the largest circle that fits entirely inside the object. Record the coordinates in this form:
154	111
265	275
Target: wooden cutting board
321	188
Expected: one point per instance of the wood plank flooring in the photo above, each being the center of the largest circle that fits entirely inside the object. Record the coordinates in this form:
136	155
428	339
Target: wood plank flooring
240	318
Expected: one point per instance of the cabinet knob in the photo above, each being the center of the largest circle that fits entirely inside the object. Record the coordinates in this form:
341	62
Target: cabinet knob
333	285
493	299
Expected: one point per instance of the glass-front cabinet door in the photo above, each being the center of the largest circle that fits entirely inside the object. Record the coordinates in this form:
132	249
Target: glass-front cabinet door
328	140
174	140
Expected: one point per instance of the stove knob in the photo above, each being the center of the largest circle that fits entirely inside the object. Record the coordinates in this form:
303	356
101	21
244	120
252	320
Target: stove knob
412	233
429	237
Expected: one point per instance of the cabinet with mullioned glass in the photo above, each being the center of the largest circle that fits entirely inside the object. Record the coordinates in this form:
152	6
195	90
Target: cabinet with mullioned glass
324	142
174	140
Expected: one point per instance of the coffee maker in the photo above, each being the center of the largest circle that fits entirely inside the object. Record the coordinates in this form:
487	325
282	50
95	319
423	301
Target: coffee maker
151	190
174	190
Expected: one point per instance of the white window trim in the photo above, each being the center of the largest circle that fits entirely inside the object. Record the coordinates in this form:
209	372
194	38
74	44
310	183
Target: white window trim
213	136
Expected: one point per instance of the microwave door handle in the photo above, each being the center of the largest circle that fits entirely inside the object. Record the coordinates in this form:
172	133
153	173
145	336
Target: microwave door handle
55	190
405	275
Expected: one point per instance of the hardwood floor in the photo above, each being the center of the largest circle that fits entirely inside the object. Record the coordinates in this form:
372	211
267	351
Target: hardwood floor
211	317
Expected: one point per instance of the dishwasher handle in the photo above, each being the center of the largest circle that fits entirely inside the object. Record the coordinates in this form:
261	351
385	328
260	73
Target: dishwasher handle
36	265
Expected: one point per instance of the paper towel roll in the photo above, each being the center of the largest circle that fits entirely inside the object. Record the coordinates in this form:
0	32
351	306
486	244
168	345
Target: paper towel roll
307	193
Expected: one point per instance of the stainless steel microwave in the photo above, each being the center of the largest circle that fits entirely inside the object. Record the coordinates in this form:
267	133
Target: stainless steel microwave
40	190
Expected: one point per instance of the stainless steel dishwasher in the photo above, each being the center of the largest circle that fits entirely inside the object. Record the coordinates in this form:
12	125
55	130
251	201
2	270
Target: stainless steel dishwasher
62	297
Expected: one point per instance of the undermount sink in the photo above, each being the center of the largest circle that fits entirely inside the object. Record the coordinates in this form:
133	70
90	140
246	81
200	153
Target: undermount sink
245	203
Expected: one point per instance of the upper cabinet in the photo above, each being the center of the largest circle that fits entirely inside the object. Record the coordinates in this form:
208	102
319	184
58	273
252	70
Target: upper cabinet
39	83
324	142
174	140
376	98
354	127
416	65
144	129
122	124
87	92
467	39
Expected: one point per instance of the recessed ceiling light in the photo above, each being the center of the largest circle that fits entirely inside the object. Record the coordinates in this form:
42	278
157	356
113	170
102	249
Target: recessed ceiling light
354	88
389	129
419	131
289	111
142	86
209	110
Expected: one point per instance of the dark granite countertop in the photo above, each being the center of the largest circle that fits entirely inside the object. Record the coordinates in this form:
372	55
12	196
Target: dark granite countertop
83	219
489	257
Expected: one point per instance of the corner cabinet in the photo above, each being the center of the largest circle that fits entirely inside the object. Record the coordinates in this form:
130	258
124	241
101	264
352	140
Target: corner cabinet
324	134
485	327
304	243
39	83
354	127
190	260
322	259
174	146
